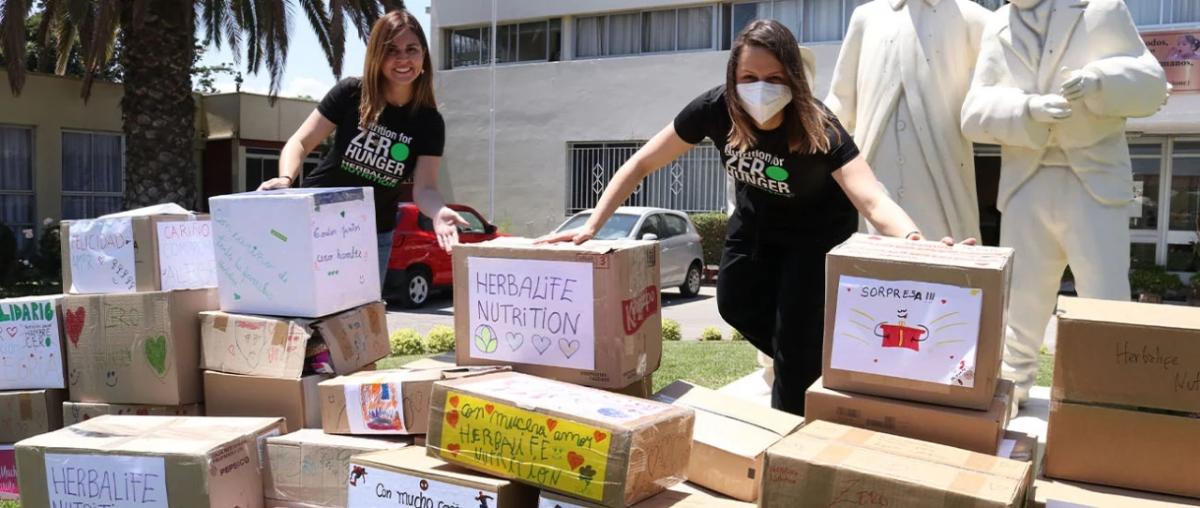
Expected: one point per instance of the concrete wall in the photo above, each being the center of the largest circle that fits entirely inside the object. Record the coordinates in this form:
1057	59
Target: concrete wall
451	13
50	104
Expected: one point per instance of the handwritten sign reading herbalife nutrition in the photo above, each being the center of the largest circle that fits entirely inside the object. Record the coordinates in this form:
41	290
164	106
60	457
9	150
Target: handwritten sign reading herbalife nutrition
370	487
112	481
531	311
554	453
101	253
30	348
907	329
185	254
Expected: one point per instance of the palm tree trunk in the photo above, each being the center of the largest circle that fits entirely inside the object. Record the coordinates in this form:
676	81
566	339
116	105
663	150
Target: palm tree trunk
157	110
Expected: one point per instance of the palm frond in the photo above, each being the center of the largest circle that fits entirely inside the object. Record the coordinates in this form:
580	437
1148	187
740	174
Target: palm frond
12	32
337	32
319	21
96	52
64	33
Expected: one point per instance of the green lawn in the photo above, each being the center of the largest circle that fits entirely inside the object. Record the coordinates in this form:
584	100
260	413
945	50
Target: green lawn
10	504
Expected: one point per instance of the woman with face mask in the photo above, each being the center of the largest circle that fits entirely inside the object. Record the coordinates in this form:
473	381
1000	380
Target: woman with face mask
800	185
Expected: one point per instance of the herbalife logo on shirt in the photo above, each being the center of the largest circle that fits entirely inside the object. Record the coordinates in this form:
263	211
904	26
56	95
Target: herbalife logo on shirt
758	168
378	154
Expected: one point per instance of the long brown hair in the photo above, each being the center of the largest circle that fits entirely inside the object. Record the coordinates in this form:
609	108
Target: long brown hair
804	122
373	83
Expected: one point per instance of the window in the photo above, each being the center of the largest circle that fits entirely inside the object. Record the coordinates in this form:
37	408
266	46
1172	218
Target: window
661	31
695	182
676	225
653	225
1164	12
1183	223
93	174
262	164
16	182
1165	215
536	41
809	20
475	223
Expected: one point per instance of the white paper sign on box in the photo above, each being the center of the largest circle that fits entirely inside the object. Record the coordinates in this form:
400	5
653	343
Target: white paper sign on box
117	481
296	252
102	257
31	353
372	487
907	329
185	254
532	311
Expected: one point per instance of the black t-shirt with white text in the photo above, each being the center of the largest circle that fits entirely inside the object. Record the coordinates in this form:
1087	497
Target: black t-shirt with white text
782	196
383	155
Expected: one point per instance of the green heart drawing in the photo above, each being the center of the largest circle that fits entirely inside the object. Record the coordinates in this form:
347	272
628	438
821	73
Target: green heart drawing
343	213
48	342
156	354
485	339
237	296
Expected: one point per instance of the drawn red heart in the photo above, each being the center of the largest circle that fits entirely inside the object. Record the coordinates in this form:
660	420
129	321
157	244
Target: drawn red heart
454	401
452	419
551	423
574	460
489	408
74	324
600	436
454	448
943	302
12	331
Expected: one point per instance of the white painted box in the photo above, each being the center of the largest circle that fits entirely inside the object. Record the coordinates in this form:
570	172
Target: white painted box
296	252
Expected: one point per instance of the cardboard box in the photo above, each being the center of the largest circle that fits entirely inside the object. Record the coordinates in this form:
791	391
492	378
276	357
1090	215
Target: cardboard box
310	466
294	400
827	464
158	248
407	477
141	348
366	403
611	449
1048	493
683	495
1135	354
642	389
586	314
1019	446
75	412
296	252
1124	448
978	431
27	413
276	346
275	503
186	462
917	321
731	438
31	345
8	473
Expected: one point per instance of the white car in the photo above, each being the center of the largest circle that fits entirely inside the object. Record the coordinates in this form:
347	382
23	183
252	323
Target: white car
682	256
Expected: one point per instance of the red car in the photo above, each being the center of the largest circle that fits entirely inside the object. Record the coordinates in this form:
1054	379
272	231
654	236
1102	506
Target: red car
417	265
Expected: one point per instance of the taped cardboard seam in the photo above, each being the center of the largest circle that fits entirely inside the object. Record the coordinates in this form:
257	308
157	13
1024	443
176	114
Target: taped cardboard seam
983	464
678	402
1128	407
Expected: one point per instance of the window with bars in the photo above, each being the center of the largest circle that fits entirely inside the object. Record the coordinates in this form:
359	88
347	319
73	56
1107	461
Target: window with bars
659	31
1164	12
17	209
695	182
262	164
93	174
809	20
534	41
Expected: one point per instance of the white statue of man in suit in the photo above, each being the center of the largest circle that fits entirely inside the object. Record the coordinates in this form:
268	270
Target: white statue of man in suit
898	87
1054	83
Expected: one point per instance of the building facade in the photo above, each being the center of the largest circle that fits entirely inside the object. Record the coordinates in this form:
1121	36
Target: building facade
579	85
63	158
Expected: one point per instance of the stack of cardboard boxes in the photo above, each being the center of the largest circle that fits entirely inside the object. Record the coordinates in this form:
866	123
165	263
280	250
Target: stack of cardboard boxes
914	333
298	279
32	377
1125	405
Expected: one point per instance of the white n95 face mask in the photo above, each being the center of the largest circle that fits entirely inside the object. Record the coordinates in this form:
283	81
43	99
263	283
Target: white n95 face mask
762	100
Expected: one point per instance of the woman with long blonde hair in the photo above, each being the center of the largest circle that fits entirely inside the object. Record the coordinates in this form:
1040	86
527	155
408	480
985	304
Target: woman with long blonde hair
388	130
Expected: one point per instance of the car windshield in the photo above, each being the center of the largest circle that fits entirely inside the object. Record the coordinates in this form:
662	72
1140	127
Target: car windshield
617	227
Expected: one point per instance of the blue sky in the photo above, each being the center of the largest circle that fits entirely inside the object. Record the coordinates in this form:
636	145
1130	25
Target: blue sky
307	71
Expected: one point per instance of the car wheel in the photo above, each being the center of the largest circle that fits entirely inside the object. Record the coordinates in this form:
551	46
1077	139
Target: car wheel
416	288
691	283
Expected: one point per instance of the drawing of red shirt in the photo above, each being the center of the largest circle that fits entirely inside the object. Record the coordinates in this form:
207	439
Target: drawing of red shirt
899	335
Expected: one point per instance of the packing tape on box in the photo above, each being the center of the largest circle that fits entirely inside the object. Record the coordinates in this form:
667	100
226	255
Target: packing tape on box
556	453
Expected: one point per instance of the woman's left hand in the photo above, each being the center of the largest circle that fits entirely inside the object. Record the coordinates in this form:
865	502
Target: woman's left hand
946	240
445	227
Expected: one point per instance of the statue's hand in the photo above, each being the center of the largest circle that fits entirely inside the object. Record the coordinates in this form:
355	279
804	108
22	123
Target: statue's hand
1080	84
1049	108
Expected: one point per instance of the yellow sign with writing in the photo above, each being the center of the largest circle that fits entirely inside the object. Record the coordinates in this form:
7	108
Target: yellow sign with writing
556	453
